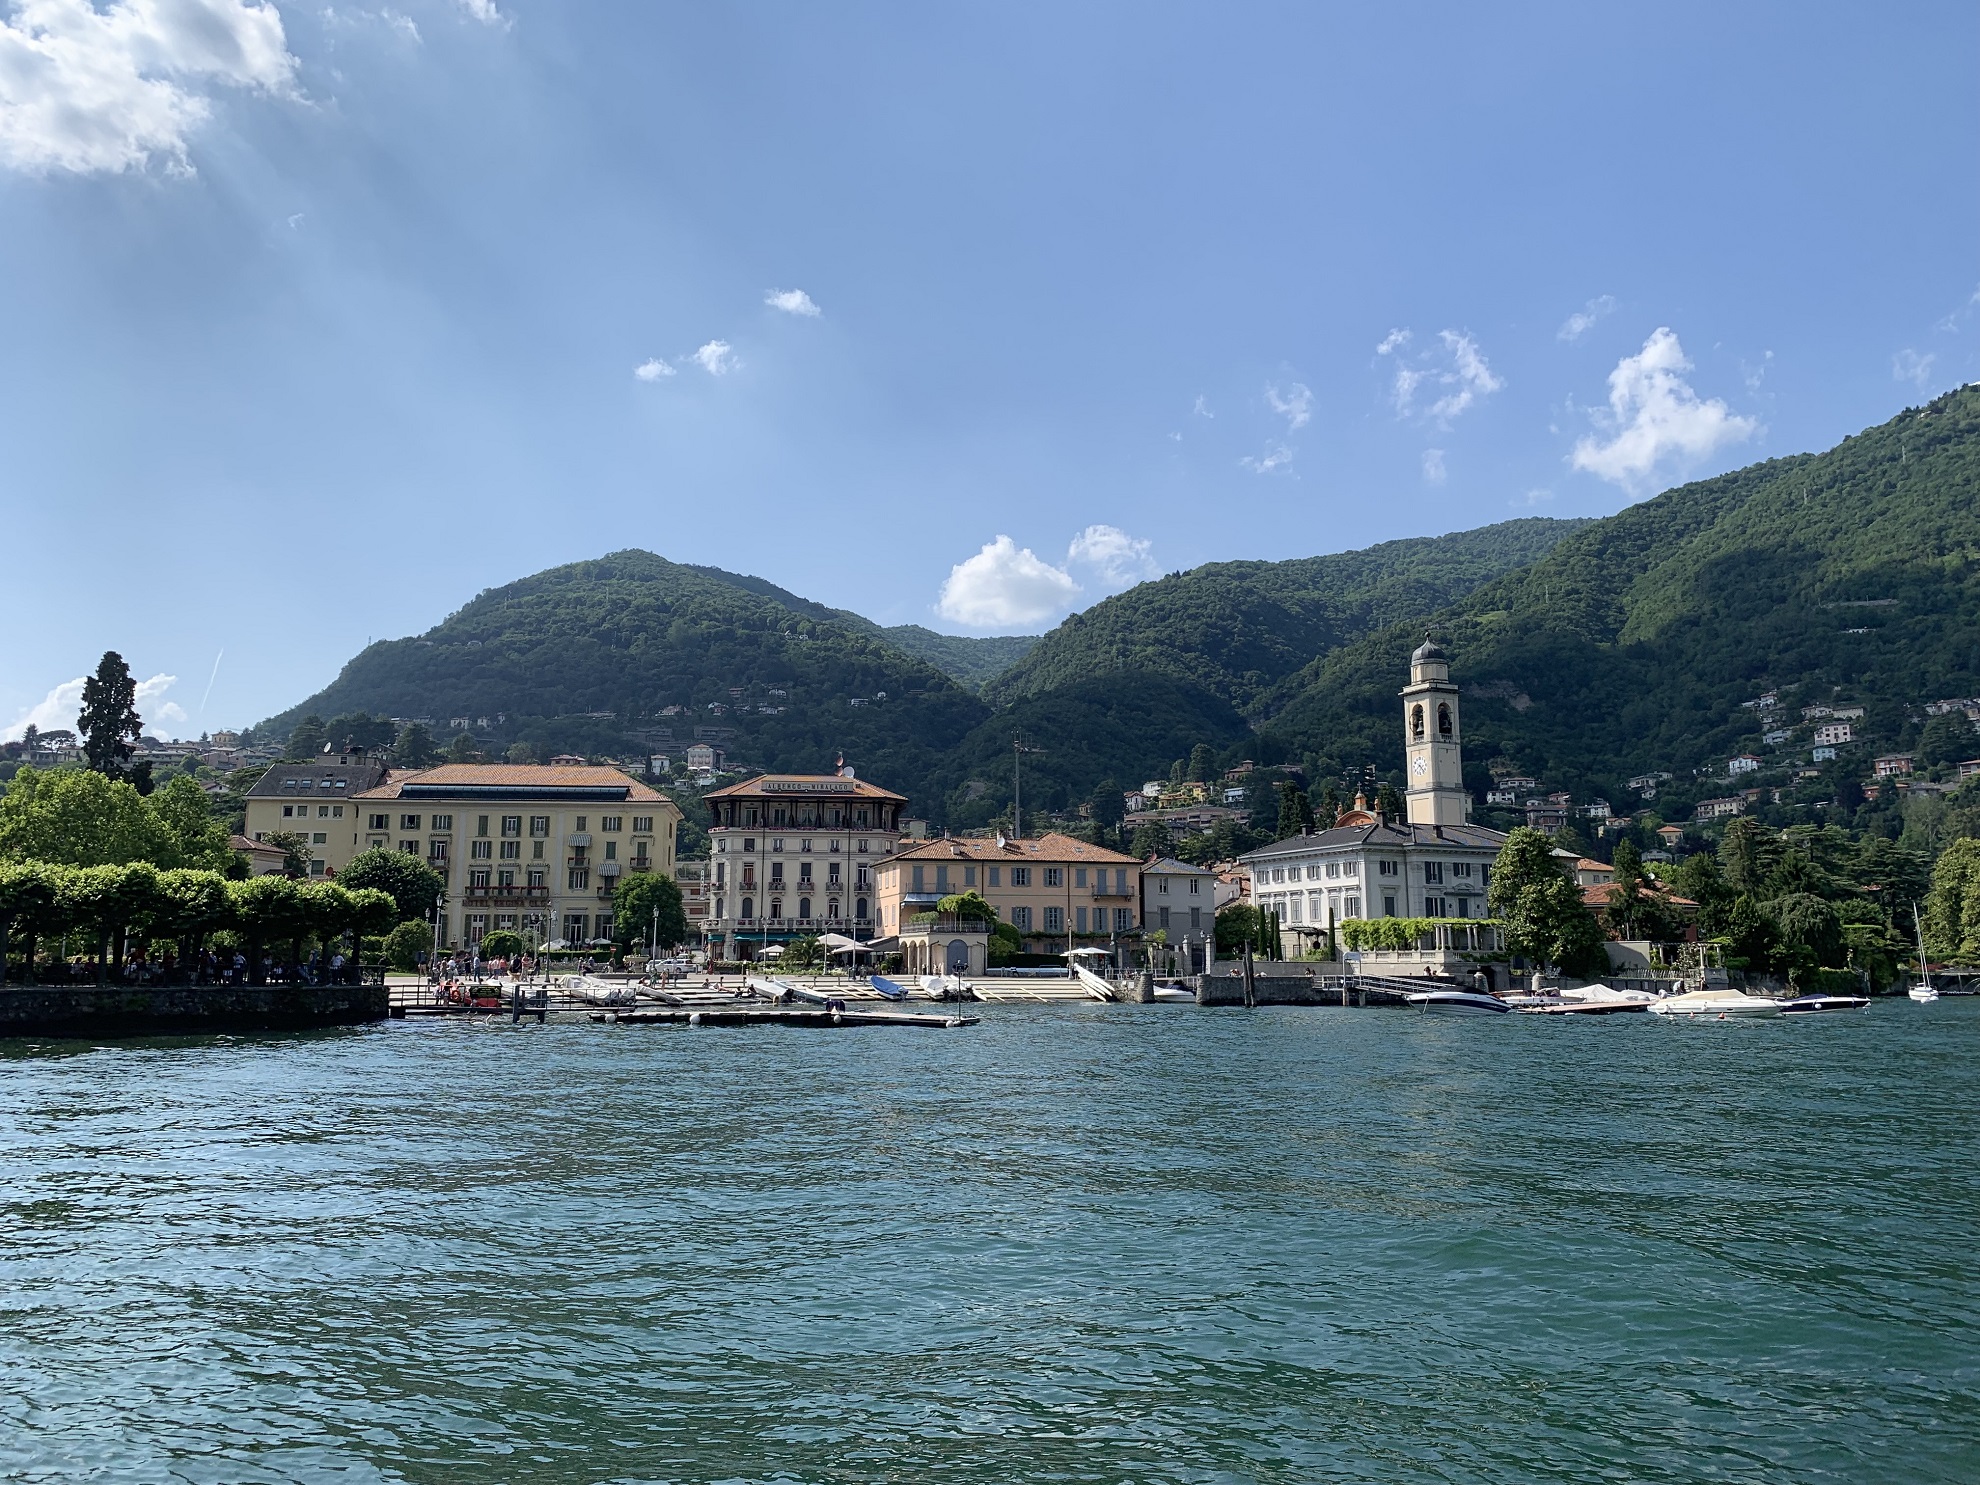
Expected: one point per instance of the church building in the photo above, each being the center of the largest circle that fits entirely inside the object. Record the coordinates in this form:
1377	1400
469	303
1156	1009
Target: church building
1433	864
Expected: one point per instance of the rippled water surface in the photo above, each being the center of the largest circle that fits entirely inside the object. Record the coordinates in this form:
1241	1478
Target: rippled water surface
1071	1244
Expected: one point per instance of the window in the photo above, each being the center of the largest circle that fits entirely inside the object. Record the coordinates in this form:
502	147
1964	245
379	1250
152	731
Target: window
748	909
804	846
1020	876
832	874
1021	916
378	822
316	868
749	843
804	910
1162	885
512	850
969	876
478	878
1194	883
1333	868
1079	876
512	824
337	813
1196	917
576	925
1123	920
859	909
481	824
440	822
579	878
1055	920
536	850
409	822
536	877
1389	905
1433	907
409	847
776	908
1433	871
318	839
323	812
611	850
1164	917
611	824
1055	876
288	810
996	876
539	824
481	850
804	873
1350	868
1385	869
777	844
1351	905
776	871
436	850
1464	907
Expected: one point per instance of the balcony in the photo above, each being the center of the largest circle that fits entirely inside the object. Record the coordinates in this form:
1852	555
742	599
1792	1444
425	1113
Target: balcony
1120	894
506	894
578	838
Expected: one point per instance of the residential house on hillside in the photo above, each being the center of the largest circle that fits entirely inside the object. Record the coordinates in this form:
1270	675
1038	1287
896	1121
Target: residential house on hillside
1892	765
1719	809
1834	734
1744	763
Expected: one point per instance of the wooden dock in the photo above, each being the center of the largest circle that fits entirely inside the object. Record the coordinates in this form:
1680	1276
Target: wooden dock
818	1016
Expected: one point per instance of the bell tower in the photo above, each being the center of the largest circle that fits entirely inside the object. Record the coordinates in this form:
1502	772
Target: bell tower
1431	741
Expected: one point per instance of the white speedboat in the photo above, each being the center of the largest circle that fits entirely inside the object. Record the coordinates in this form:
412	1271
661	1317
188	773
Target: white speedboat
1175	994
1457	1003
1585	1000
1802	1005
1716	1005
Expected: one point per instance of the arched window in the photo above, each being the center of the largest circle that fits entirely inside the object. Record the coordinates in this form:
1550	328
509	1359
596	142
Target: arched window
1444	718
804	910
718	907
749	909
1416	722
859	909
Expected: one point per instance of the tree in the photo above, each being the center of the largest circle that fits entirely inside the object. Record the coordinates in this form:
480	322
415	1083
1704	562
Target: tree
410	882
109	720
294	846
407	945
79	817
414	747
1202	764
1295	811
1389	801
307	739
1952	907
969	906
1540	907
1327	808
637	900
1151	840
521	752
1177	770
359	730
1947	739
268	910
190	905
193	837
803	952
27	895
1750	854
1636	908
1808	934
463	749
502	943
1109	803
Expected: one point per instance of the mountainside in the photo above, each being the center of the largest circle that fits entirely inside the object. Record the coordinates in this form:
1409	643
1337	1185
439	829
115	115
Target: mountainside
975	661
592	655
1851	576
1238	628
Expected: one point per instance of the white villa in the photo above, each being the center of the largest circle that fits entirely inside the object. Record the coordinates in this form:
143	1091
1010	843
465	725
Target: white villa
1434	864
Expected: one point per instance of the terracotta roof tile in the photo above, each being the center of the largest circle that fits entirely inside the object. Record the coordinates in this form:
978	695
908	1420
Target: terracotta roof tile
519	776
1053	847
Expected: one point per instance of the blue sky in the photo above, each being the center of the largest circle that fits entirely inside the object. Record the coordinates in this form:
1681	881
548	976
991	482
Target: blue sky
320	319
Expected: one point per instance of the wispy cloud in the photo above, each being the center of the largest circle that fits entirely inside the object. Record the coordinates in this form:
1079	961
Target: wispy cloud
1295	405
1202	408
717	358
1117	558
485	12
1909	366
652	370
1455	365
1005	586
793	302
1434	472
91	91
1583	320
1532	498
1275	458
1656	418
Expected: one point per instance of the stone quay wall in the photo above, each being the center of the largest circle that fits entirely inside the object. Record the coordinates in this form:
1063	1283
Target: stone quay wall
110	1011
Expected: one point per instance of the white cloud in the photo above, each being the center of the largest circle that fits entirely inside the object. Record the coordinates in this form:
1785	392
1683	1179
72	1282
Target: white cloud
1118	559
652	369
1583	320
1908	366
1276	457
1532	497
1654	416
1433	467
1296	406
1454	364
87	90
792	302
485	12
1005	586
1755	374
57	710
1202	408
717	358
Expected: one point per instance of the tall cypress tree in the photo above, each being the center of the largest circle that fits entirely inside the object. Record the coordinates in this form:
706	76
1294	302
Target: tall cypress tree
109	721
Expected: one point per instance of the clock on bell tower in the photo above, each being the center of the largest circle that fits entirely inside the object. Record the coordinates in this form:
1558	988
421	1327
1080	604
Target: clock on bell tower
1431	741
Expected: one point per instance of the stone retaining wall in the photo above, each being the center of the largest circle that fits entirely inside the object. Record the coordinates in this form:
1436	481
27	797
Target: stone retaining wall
115	1011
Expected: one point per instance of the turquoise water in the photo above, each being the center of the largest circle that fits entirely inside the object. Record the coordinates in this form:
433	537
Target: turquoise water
1071	1244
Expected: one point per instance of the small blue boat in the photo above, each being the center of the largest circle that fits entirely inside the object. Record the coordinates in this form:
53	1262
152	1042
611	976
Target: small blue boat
886	988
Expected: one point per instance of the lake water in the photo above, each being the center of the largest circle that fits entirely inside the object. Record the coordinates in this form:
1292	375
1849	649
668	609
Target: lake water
1071	1244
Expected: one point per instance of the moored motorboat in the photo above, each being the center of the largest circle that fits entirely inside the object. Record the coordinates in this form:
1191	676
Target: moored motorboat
1457	1003
1175	994
1923	993
1801	1005
1716	1004
885	988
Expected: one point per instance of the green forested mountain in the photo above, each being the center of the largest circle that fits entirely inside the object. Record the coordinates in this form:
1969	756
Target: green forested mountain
1851	576
973	661
1238	628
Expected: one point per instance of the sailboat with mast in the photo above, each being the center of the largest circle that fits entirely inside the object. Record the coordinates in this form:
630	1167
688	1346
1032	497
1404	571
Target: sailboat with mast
1922	991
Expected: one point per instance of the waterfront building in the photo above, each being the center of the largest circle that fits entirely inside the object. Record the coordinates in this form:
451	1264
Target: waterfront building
1178	899
1047	887
315	800
1431	864
525	846
1831	734
793	854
